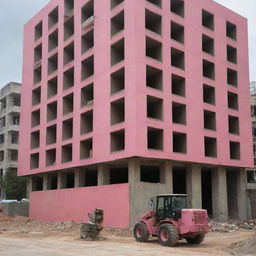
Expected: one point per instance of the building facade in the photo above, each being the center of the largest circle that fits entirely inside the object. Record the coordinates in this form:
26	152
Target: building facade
9	129
124	99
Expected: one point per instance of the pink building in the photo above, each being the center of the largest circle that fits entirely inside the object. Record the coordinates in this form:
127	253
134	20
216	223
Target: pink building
124	99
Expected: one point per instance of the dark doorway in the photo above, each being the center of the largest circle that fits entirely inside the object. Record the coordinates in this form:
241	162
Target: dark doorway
179	180
207	190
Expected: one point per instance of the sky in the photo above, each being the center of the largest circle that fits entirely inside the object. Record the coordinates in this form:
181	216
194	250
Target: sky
15	13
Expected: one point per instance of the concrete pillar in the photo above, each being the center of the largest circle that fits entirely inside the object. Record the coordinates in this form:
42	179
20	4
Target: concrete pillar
194	186
46	182
103	175
219	194
79	178
241	194
29	186
166	175
61	180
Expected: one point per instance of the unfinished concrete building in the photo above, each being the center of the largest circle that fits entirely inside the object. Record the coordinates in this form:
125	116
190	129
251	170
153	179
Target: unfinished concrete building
9	129
124	99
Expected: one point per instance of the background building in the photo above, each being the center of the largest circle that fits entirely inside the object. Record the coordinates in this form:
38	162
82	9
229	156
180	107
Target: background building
124	99
9	128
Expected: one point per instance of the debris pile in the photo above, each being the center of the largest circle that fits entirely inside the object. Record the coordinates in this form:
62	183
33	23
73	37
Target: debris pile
246	247
233	226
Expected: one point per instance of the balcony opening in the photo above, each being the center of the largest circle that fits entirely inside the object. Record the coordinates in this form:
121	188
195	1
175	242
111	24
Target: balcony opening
66	155
118	175
67	129
70	181
233	124
233	100
115	3
208	44
87	95
154	108
231	54
69	6
179	142
209	94
155	138
37	75
234	150
51	135
87	41
154	78
177	32
149	173
178	85
178	113
207	20
38	30
68	104
53	18
91	178
177	58
231	30
88	11
153	22
87	68
153	49
117	111
38	53
14	137
117	52
36	96
210	147
35	118
52	64
177	7
68	79
15	119
118	81
51	111
209	120
208	69
1	156
117	23
35	140
232	77
86	149
34	161
52	87
68	28
68	54
50	157
117	141
1	138
156	2
86	125
53	40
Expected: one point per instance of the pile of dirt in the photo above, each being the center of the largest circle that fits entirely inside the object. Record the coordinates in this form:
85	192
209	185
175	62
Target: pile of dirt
233	226
4	218
246	247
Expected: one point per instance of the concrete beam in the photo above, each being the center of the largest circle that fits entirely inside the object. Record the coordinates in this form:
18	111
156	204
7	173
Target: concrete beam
219	194
194	186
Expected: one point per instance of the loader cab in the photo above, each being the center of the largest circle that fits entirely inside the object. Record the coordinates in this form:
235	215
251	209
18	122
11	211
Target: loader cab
170	206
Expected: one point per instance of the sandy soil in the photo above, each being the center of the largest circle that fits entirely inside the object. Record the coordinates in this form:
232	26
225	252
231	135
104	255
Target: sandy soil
23	237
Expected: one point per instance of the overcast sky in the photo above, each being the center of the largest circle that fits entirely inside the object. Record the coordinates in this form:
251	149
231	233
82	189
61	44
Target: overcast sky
15	13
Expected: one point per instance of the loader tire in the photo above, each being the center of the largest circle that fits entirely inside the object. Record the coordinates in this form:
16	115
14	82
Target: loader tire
168	235
196	240
140	232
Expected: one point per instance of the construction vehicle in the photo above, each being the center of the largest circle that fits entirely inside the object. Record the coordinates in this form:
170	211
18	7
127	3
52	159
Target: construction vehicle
170	220
91	230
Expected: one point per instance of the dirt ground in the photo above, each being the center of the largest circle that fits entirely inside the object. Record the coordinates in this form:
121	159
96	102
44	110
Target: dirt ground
24	237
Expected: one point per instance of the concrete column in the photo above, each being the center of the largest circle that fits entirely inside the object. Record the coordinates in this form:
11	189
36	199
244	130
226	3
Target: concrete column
219	194
194	186
45	181
29	186
166	175
134	171
241	194
79	178
103	175
62	180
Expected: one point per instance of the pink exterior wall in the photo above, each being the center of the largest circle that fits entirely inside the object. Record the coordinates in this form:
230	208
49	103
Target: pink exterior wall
136	121
75	204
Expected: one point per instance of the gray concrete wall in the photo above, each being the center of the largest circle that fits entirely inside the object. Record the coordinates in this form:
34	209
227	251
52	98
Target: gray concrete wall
13	209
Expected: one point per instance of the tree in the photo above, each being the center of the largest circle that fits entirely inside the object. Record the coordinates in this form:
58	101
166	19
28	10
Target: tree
15	187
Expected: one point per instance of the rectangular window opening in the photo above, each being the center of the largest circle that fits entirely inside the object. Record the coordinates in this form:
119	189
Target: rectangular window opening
153	49
87	41
154	78
231	54
177	7
155	138
208	69
53	40
231	30
37	75
38	30
51	135
68	54
178	113
177	58
51	111
208	20
208	44
179	142
34	161
178	85
117	141
118	81
118	175
35	140
209	94
177	32
52	87
117	52
154	108
210	147
67	129
87	95
86	125
153	22
233	100
117	111
52	64
117	23
232	77
68	104
66	155
53	18
38	53
209	120
50	157
68	79
86	149
36	96
115	3
150	173
233	124
68	28
87	68
234	150
35	118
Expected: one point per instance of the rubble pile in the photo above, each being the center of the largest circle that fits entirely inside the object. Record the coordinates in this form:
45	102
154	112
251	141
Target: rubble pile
233	226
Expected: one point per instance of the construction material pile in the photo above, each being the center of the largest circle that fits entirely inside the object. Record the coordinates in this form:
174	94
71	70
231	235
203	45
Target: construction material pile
244	248
233	226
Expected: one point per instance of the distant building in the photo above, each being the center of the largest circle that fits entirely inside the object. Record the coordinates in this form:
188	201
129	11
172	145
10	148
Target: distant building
9	128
